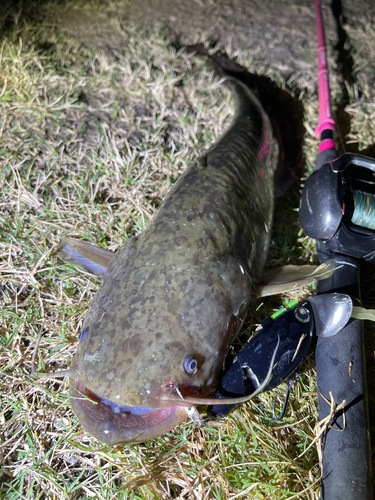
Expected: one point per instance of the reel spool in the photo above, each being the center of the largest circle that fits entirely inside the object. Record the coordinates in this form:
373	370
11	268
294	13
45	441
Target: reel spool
338	206
364	210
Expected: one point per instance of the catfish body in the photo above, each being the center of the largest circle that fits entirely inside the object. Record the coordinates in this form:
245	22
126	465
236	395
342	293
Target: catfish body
173	299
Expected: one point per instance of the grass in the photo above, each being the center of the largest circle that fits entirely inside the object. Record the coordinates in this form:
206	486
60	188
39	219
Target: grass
91	140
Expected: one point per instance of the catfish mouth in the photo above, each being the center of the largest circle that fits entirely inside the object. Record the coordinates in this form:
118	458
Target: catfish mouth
119	424
113	423
101	409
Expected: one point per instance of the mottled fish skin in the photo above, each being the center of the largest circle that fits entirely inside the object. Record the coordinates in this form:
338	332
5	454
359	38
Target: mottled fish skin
182	287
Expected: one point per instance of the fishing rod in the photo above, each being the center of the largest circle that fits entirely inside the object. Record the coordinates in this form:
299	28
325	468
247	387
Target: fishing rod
337	210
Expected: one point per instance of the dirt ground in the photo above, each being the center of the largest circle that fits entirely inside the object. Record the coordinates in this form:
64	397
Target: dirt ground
280	33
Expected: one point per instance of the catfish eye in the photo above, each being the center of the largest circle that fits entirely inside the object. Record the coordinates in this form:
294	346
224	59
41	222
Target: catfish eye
191	365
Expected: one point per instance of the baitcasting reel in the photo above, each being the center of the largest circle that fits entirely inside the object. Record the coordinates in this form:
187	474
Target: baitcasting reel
338	207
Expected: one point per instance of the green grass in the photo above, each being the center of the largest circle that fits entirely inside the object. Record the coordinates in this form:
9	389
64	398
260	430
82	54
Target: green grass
76	158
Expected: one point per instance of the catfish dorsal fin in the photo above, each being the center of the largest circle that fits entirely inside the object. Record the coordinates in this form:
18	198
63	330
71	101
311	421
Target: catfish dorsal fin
90	256
287	278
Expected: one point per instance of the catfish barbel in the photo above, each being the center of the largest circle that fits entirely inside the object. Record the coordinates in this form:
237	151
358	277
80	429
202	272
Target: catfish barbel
174	298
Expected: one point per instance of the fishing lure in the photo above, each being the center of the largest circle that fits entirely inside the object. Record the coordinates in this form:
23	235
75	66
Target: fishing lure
292	328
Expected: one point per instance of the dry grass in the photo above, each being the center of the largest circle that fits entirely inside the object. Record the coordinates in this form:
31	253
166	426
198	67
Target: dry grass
91	142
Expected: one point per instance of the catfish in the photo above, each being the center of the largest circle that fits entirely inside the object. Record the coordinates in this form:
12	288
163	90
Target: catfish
174	298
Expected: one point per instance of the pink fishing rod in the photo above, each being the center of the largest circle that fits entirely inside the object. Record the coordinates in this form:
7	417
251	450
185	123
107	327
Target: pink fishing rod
326	125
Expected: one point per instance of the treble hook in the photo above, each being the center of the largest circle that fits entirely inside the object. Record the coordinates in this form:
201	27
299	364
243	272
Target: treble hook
281	415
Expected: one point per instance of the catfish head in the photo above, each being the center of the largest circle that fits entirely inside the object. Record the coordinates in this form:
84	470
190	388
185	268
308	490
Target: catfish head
154	341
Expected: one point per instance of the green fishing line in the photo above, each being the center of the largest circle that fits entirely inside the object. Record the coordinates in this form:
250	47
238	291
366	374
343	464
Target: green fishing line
364	210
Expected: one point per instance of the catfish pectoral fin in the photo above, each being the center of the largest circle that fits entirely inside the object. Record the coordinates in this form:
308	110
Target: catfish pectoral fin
286	278
86	255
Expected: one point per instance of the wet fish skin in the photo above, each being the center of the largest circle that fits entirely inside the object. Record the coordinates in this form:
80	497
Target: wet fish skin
182	287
